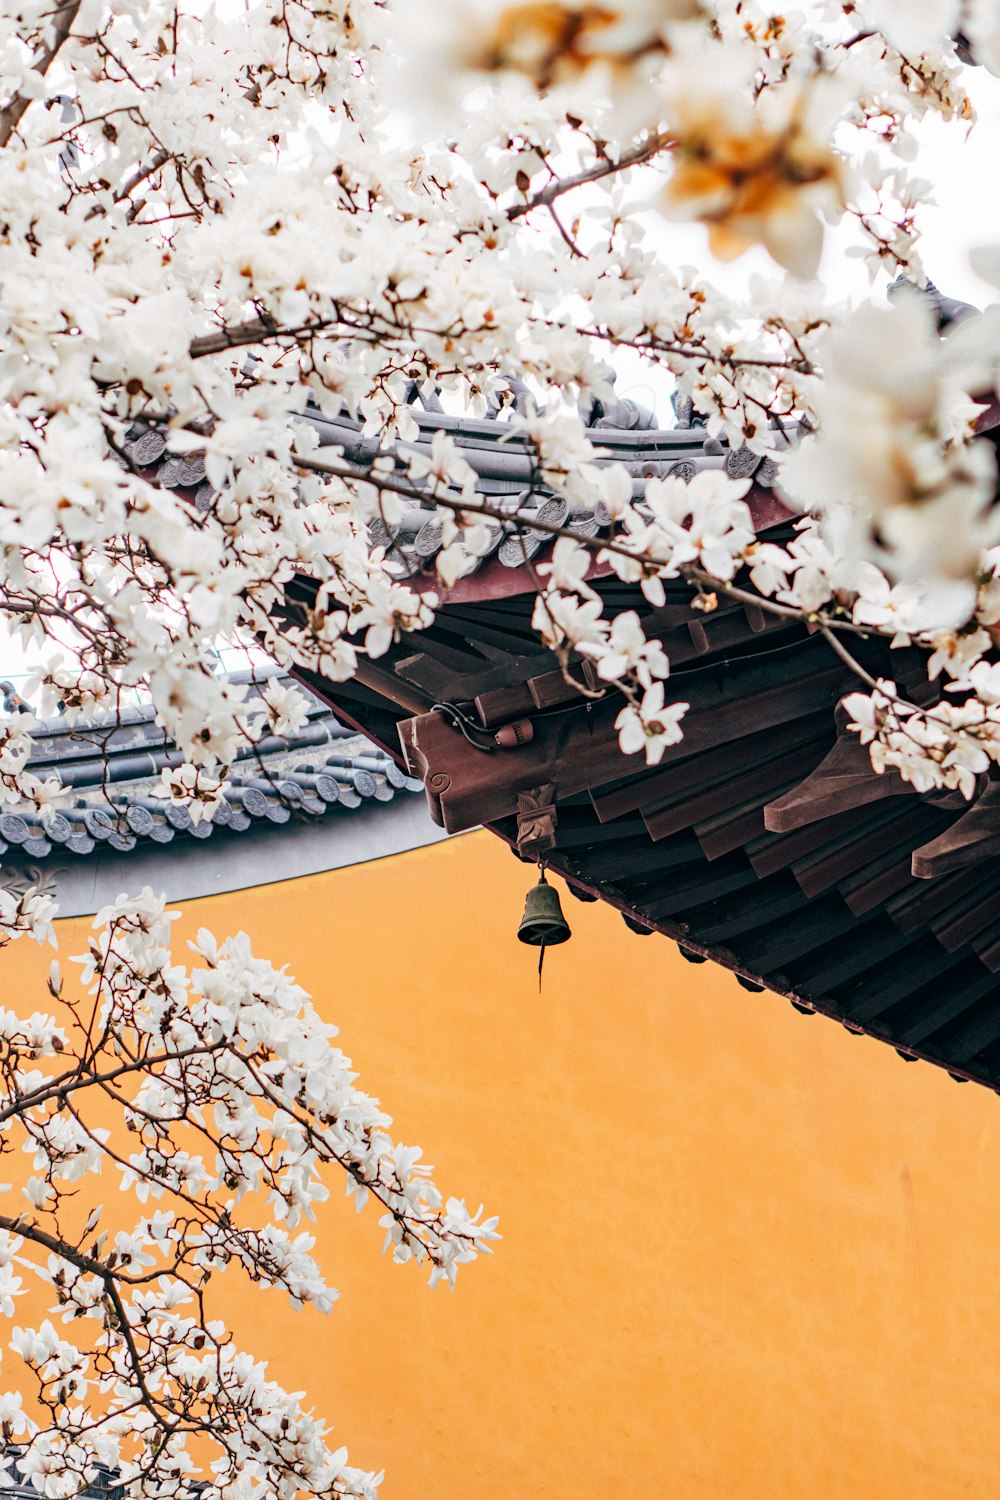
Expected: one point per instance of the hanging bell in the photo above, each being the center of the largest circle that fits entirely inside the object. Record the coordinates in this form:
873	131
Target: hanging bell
543	924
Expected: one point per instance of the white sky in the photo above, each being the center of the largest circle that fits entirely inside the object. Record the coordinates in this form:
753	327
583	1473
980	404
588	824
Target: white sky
964	215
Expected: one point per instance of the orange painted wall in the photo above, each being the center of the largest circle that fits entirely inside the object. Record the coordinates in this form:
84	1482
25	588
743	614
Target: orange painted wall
746	1253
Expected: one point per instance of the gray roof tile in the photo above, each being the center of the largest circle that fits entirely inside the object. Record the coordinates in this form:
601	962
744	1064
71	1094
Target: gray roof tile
110	771
505	470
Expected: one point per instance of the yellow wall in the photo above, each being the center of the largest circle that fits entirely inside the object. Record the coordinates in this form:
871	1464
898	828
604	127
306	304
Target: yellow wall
746	1253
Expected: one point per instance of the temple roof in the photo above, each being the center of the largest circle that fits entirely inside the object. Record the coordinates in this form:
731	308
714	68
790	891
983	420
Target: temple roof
506	477
764	840
110	774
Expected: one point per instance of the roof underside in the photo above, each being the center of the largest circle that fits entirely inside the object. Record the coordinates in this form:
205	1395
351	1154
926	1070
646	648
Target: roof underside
763	840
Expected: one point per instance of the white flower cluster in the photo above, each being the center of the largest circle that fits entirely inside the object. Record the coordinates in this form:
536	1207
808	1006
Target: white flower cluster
918	490
191	787
229	1088
948	747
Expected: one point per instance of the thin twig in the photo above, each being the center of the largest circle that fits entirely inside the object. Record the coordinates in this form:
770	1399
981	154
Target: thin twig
651	147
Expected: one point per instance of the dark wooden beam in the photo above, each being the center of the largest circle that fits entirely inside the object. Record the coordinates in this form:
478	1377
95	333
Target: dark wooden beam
660	788
678	898
981	1030
873	886
821	871
777	851
748	912
639	863
916	906
946	1004
734	792
989	950
873	944
981	914
818	923
579	751
844	779
970	840
927	964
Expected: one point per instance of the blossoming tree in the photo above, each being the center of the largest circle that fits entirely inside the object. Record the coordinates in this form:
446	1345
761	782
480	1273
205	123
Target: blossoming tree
214	215
203	1093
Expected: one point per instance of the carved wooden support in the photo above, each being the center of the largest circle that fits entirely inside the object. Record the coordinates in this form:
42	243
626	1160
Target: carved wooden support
527	688
418	764
973	838
446	673
844	779
379	680
536	820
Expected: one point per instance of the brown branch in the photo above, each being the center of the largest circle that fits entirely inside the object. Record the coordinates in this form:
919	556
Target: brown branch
29	1230
846	657
68	1083
251	332
63	17
653	344
564	233
604	168
141	173
257	329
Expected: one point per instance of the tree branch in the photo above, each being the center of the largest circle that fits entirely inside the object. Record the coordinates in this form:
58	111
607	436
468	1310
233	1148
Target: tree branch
692	572
604	168
241	334
31	1231
64	16
69	1083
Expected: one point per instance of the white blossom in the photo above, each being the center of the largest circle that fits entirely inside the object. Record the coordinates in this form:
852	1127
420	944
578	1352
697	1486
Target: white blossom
651	725
232	1088
262	215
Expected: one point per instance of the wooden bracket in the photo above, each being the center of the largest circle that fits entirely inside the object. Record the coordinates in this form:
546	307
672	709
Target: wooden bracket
843	780
971	840
536	820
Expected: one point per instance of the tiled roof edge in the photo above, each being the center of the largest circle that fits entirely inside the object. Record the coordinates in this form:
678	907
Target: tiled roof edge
110	772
